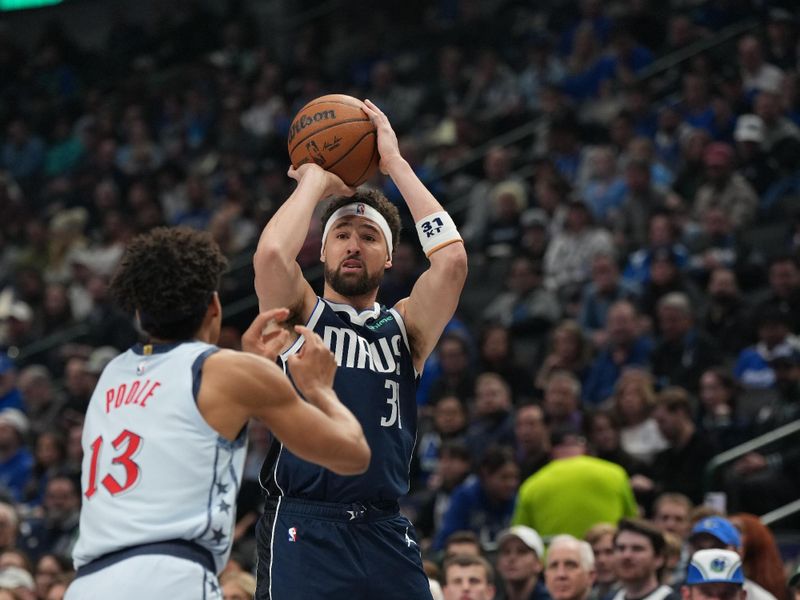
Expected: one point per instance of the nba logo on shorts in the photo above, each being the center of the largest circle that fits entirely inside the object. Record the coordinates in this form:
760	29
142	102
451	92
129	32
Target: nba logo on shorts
292	534
359	209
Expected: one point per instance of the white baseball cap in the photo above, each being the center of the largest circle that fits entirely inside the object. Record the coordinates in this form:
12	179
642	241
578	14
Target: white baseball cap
526	535
749	128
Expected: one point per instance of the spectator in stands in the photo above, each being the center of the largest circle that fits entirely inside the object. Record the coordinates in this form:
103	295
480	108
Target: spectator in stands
561	403
16	461
784	406
449	423
761	557
601	539
520	555
456	378
468	577
452	468
680	467
777	125
484	504
781	39
726	313
57	530
783	292
569	569
752	367
569	351
639	559
604	189
573	492
641	202
633	403
719	416
527	308
665	278
605	288
400	279
720	534
691	170
496	169
44	401
492	420
462	542
671	513
567	260
49	568
714	574
604	431
497	356
754	164
683	351
717	245
531	439
757	74
725	188
625	347
662	233
503	234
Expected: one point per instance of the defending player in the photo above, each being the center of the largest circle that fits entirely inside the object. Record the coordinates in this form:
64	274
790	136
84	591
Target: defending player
165	434
347	531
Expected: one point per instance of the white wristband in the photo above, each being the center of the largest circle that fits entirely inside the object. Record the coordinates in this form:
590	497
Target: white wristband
436	231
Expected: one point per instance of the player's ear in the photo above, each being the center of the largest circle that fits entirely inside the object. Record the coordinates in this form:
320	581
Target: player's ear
388	263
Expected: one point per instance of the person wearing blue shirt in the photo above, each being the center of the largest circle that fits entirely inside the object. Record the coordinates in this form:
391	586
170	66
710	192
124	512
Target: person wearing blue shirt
16	461
10	396
483	504
625	347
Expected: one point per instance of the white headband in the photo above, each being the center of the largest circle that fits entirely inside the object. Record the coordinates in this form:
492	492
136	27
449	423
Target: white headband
359	209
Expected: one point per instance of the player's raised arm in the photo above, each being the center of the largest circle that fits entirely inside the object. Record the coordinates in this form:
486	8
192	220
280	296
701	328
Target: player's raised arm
237	386
435	295
278	278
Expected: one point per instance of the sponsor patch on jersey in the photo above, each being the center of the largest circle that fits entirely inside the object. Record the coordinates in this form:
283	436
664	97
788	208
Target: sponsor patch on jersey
378	324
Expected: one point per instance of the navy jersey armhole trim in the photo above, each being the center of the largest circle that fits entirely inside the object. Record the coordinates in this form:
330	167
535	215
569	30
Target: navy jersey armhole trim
197	370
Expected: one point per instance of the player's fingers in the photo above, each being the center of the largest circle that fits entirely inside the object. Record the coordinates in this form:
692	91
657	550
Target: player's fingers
311	338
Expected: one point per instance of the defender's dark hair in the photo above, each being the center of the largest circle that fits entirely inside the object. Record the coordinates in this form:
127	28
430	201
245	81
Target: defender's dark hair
644	528
371	198
169	276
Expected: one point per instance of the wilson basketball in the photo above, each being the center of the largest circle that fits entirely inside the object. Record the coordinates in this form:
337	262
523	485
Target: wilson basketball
335	133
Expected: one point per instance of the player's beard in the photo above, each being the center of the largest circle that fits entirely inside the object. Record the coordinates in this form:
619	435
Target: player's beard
352	285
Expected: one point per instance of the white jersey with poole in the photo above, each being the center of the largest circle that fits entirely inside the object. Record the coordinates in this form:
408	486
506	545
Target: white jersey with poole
153	469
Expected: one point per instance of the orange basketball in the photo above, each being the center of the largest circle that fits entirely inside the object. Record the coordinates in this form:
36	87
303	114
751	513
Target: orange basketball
335	133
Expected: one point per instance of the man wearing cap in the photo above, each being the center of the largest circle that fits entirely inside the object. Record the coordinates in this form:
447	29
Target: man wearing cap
569	571
519	563
753	163
724	187
719	533
714	575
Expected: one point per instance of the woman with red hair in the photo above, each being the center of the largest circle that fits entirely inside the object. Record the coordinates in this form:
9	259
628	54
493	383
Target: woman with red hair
760	555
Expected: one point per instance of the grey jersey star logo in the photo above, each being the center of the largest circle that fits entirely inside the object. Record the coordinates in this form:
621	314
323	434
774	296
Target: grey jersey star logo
224	506
221	488
408	540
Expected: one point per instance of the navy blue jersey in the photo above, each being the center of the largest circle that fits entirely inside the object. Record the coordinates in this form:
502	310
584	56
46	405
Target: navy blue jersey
376	380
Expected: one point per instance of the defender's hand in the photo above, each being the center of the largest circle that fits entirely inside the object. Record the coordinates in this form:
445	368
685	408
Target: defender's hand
314	366
265	336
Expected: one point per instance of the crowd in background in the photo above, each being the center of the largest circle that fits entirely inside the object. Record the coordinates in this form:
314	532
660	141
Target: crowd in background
633	306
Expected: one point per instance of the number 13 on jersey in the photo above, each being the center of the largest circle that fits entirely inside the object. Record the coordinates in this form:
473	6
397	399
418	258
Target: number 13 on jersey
127	444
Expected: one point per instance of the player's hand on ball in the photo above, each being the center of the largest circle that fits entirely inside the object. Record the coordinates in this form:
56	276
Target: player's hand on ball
265	336
334	186
314	366
388	147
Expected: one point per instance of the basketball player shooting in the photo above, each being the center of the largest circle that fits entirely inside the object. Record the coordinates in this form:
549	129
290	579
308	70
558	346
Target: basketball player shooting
348	531
164	439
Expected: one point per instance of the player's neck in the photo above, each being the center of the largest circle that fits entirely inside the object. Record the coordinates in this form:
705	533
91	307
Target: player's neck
361	302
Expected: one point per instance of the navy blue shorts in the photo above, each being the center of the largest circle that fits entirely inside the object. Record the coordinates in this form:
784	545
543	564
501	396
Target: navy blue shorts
318	550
